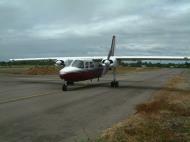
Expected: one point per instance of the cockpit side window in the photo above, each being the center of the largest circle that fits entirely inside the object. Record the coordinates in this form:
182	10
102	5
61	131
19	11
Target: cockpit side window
78	64
91	65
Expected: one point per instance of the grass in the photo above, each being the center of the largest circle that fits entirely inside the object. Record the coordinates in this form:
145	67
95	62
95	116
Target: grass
166	118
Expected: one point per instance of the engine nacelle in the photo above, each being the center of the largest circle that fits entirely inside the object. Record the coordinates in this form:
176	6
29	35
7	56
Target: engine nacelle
111	62
107	62
114	63
60	63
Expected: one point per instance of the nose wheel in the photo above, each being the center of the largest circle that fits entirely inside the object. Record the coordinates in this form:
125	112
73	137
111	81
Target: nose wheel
66	84
64	87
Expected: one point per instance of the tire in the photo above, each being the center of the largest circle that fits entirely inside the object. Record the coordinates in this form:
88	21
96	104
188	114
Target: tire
114	84
64	87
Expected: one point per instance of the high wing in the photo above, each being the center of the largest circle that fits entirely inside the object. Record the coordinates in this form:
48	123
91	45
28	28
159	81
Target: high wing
60	58
136	58
109	57
130	58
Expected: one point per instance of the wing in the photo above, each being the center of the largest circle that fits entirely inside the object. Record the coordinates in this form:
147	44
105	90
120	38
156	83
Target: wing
136	58
130	58
60	58
110	55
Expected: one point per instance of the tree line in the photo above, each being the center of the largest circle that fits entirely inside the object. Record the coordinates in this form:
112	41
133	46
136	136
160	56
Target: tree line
161	65
134	64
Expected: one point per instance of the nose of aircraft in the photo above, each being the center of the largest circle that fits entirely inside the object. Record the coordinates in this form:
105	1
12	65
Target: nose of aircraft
63	72
66	71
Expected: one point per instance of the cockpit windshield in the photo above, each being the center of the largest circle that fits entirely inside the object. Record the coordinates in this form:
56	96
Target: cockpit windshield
68	62
78	64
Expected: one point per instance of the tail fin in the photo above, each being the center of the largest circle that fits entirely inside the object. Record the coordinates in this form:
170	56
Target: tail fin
111	52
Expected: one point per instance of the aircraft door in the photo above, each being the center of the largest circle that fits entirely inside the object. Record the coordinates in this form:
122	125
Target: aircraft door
86	65
91	65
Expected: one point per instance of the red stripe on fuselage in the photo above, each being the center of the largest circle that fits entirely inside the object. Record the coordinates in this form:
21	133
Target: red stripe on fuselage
82	75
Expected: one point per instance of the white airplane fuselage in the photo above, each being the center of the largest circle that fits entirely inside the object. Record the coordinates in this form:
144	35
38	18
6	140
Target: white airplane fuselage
80	70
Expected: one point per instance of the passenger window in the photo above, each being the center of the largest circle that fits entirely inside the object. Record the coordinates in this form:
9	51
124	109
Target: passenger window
91	65
86	65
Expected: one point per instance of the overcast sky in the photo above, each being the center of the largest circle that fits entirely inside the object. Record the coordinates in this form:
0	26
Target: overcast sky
46	28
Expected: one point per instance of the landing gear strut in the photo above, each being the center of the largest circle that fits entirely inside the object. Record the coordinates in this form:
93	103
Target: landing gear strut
64	87
114	83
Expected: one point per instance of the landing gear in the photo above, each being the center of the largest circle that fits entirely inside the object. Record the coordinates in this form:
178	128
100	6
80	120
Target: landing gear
64	87
66	84
114	83
70	83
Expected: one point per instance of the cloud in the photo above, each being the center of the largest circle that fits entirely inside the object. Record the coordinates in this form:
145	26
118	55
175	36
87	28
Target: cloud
82	30
69	27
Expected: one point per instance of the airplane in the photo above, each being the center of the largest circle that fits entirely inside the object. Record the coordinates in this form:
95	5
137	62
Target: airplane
74	69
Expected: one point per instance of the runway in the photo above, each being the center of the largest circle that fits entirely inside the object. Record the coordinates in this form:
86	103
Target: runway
35	109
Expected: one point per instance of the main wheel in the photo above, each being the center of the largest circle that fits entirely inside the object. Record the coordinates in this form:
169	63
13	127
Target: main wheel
64	87
114	84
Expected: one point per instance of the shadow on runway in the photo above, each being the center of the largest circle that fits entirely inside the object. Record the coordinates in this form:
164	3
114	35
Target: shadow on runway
82	86
123	85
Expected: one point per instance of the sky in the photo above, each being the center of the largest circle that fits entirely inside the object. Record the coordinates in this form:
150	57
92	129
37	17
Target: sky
59	28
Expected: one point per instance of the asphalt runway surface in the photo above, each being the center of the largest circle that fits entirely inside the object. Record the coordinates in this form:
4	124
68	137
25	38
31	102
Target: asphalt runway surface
35	109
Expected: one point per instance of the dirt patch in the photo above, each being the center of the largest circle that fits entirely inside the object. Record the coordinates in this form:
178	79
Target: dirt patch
122	69
42	71
30	70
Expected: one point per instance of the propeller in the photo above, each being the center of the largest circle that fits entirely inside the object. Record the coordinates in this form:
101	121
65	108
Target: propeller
108	61
111	52
59	63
